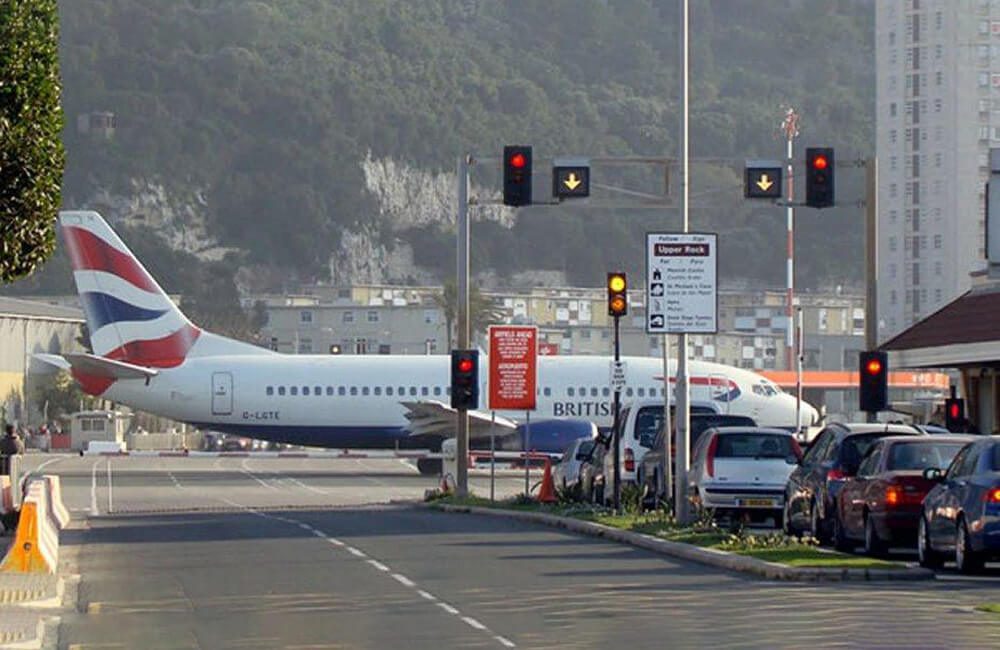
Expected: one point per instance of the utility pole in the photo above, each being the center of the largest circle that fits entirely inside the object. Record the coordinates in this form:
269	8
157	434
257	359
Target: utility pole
683	390
616	426
462	428
790	127
871	260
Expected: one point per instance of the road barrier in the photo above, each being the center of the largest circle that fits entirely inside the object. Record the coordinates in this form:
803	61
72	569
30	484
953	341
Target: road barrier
36	541
415	454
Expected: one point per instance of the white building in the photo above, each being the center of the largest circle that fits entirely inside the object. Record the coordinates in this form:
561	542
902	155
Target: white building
938	113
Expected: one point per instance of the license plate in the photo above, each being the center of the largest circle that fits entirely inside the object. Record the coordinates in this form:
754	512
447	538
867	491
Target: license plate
766	503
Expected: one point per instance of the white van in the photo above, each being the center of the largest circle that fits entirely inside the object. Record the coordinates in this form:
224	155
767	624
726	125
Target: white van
641	420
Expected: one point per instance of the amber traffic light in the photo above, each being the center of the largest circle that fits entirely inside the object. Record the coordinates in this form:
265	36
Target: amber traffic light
617	294
873	384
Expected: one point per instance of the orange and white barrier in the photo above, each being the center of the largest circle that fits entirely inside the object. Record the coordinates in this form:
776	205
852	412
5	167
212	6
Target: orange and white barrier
36	541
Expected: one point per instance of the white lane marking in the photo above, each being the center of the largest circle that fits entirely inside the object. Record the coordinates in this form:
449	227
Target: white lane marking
308	487
378	565
403	580
426	595
355	552
246	470
94	511
177	484
473	623
46	464
504	641
335	541
446	607
111	505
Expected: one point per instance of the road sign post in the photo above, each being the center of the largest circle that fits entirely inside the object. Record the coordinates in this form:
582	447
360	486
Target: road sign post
513	376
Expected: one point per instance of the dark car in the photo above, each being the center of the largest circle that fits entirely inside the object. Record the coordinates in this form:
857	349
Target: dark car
648	474
591	474
881	505
835	454
961	514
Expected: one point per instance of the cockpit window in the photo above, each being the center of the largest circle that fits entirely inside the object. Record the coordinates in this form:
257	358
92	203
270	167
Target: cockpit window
765	389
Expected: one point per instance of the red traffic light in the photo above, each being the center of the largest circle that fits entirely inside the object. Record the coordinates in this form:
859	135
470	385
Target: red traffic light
518	161
954	410
873	367
820	162
465	365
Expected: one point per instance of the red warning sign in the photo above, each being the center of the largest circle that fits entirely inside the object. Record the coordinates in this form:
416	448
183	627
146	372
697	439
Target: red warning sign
513	367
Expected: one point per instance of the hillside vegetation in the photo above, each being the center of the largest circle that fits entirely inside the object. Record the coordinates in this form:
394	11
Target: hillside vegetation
265	109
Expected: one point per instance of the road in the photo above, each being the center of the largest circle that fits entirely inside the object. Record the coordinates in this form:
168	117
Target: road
305	554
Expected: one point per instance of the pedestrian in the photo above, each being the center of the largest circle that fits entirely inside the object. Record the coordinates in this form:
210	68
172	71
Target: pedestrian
10	445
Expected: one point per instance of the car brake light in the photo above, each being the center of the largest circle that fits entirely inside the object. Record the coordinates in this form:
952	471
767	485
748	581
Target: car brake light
993	496
892	495
710	456
629	460
835	474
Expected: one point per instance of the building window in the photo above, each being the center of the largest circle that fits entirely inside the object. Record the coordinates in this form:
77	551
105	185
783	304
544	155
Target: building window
348	317
937	268
305	346
892	109
373	316
360	346
892	271
892	243
892	297
305	317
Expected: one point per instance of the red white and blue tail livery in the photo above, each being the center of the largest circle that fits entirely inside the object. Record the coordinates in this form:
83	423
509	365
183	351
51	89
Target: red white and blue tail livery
148	355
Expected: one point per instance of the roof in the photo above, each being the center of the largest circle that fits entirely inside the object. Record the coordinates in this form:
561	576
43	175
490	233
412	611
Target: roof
878	427
940	437
965	331
38	310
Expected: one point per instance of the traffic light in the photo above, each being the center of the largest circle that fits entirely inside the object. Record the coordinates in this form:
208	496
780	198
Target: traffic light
617	294
954	414
465	379
873	388
819	177
516	175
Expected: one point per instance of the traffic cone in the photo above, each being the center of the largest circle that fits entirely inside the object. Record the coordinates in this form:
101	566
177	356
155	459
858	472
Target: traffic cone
547	492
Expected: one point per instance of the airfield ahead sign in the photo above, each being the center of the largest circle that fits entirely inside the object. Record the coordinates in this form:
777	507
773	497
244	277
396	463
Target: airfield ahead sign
682	271
513	367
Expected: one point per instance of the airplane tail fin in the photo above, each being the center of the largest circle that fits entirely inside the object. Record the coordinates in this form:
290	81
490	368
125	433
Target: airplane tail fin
130	318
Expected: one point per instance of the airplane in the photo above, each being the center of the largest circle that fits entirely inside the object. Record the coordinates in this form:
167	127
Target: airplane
149	356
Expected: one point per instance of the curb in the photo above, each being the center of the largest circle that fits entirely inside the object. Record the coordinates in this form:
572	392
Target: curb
707	556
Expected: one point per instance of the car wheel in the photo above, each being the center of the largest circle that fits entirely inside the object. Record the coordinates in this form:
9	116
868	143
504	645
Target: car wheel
840	540
966	560
786	521
929	558
816	524
874	545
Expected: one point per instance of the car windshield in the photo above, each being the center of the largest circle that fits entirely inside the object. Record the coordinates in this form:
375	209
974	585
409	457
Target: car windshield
648	423
584	451
855	447
996	458
919	455
754	445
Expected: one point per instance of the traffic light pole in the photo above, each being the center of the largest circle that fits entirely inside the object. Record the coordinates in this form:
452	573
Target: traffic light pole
616	428
462	218
871	260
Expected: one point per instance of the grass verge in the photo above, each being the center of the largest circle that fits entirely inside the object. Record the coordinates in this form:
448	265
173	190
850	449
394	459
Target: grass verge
992	608
770	547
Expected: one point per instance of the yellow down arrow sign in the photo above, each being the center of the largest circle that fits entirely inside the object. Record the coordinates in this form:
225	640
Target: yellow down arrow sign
764	183
571	181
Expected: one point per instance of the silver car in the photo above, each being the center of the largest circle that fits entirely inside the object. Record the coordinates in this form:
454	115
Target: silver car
566	473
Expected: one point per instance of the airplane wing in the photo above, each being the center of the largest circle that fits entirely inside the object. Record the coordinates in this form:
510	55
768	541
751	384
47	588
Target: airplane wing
433	417
93	365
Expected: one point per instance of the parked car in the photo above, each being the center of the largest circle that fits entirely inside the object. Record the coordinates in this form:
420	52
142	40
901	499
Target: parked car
835	454
592	474
649	474
881	505
742	471
566	472
640	421
961	514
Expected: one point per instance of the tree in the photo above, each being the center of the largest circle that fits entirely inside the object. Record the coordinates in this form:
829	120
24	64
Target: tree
482	313
57	395
31	151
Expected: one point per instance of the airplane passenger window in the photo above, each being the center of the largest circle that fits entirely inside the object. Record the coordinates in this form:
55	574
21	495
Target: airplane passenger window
281	390
364	390
570	391
606	391
413	390
388	390
317	390
305	390
329	390
437	390
402	391
583	392
341	391
378	390
629	392
593	391
447	390
641	391
270	390
294	390
354	390
425	391
547	391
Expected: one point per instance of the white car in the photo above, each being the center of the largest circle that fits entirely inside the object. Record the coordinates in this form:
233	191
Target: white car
742	471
